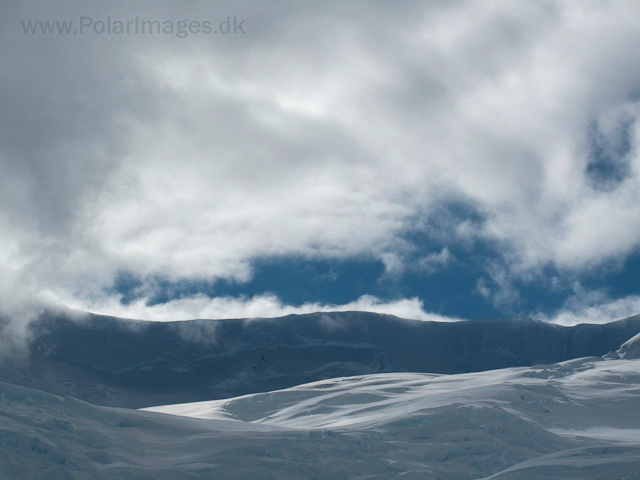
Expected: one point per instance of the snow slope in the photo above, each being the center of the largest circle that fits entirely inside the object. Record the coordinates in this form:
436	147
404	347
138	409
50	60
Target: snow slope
572	420
631	348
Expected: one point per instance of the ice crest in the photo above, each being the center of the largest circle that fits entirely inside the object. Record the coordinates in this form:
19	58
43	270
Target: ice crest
631	348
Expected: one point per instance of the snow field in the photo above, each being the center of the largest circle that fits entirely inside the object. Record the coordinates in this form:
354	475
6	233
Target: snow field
575	419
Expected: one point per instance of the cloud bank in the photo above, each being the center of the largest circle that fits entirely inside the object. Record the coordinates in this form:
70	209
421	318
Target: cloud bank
259	306
593	306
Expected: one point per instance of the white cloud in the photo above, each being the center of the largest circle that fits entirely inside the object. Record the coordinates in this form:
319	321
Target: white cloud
259	306
317	136
393	264
434	261
593	306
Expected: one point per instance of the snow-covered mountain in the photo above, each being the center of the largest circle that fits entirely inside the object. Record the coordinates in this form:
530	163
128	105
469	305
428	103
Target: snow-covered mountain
572	420
113	362
555	419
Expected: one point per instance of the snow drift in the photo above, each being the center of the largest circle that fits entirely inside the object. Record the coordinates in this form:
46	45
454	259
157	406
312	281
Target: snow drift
631	348
571	420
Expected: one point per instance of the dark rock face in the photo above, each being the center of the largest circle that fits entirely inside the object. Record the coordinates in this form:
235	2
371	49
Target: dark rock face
115	362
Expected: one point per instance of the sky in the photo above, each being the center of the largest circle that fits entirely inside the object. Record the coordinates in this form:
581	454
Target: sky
432	160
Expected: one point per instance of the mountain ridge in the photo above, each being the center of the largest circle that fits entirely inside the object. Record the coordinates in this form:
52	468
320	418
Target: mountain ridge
116	362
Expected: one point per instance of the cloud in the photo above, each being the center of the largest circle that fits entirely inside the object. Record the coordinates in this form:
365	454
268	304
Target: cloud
434	261
258	306
593	306
317	136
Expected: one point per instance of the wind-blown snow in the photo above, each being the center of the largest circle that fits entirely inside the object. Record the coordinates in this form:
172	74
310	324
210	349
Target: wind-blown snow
573	420
631	348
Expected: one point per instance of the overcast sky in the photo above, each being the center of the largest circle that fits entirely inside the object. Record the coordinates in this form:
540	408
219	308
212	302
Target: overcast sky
435	160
